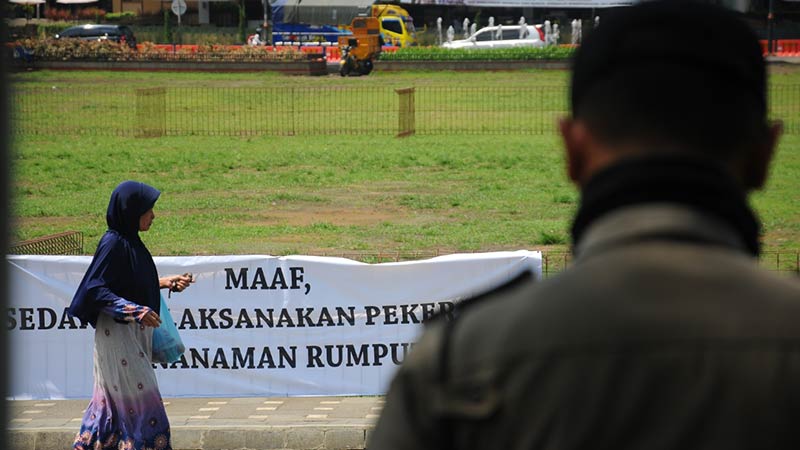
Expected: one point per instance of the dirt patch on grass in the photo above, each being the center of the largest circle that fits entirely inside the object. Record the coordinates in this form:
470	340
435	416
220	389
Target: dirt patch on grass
342	216
775	69
55	222
28	228
366	205
781	239
311	214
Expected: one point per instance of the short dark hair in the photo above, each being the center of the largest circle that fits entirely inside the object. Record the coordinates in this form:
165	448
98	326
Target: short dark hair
678	75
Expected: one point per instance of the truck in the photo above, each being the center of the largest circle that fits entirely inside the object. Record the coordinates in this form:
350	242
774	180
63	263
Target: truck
397	25
300	21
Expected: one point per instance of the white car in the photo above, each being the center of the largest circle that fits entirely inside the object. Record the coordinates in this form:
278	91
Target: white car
502	36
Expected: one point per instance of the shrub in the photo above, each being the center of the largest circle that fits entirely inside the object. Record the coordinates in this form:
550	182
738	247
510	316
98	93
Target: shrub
94	14
245	53
427	37
58	15
210	38
124	17
501	54
76	49
204	34
72	49
551	238
27	10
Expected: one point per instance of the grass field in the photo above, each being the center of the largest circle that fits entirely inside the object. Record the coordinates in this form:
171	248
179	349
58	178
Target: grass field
779	74
330	194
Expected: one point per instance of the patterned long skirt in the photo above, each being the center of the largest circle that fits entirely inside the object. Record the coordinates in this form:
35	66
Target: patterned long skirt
126	411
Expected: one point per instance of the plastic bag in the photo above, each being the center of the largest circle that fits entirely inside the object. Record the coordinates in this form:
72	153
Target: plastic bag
167	344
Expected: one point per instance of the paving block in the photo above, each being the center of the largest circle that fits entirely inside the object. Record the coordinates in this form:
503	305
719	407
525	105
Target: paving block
305	438
368	435
22	440
223	440
266	439
344	439
187	438
54	440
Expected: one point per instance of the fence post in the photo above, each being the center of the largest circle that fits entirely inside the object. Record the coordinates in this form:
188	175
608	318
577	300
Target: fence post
406	112
292	99
151	112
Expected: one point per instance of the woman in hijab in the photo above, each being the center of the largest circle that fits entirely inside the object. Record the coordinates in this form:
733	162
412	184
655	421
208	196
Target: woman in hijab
119	296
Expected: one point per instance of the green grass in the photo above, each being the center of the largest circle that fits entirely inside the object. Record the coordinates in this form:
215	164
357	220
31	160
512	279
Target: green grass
470	54
329	194
285	109
92	79
310	195
526	102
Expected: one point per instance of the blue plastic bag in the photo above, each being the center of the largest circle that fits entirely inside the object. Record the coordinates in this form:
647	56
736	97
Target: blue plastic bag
167	344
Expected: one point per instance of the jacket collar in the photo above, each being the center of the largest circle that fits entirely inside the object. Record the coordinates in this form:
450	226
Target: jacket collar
657	221
671	196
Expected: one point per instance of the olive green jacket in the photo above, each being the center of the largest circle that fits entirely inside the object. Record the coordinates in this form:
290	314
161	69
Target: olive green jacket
664	334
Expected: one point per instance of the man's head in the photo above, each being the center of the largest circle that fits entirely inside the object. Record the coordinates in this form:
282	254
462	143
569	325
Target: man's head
670	77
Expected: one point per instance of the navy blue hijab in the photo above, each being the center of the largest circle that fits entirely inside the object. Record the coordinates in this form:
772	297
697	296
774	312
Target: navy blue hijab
122	266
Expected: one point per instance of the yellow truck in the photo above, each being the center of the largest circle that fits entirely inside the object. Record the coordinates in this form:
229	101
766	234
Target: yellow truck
396	24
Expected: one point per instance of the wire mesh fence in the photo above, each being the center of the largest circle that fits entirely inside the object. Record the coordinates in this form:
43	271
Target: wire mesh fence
553	262
330	110
66	243
496	110
784	104
783	262
786	262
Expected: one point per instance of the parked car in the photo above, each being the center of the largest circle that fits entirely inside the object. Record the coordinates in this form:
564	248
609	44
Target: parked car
504	36
99	32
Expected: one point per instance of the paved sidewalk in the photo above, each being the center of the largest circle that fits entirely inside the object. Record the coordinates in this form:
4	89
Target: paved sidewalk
298	423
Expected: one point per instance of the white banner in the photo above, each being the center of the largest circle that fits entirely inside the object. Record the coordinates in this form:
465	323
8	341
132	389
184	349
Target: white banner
253	325
549	3
555	4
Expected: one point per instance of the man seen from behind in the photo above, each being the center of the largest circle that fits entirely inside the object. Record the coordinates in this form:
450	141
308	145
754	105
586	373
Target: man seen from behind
664	333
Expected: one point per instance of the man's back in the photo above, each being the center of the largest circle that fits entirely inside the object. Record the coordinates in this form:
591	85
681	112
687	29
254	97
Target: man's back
664	334
650	341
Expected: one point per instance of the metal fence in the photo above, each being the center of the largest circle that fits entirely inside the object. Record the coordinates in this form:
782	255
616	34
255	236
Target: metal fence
785	262
331	110
553	262
66	243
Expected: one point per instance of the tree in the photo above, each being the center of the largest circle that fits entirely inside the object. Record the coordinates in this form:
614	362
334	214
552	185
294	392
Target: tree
242	23
167	27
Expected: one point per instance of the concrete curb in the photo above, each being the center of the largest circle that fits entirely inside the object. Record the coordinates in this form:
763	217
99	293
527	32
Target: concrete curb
312	67
290	437
472	66
783	60
205	423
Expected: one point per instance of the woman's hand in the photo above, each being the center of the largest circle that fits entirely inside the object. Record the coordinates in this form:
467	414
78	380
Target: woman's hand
177	283
150	319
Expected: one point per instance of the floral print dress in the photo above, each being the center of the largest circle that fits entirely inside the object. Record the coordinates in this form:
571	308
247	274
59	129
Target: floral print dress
126	411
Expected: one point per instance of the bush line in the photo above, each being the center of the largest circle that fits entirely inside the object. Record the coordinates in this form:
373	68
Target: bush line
504	54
